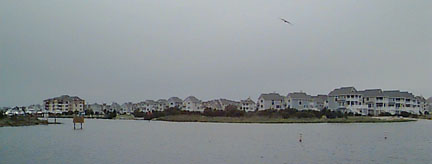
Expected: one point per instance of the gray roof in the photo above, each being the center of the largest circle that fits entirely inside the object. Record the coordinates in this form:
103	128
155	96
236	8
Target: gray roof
271	96
342	91
319	98
248	100
192	99
397	93
420	98
150	102
299	95
175	99
162	101
371	93
429	100
65	98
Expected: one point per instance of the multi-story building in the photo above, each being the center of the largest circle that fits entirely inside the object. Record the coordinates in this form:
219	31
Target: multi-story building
175	102
422	104
64	104
401	101
150	105
319	102
248	105
191	103
271	101
220	104
96	108
347	99
299	101
374	101
127	108
161	105
429	105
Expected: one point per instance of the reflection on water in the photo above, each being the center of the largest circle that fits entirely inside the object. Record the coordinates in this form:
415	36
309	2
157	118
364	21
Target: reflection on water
122	141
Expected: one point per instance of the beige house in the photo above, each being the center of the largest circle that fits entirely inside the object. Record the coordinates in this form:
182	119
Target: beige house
64	104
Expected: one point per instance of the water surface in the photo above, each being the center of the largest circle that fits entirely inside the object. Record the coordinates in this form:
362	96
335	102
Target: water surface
124	141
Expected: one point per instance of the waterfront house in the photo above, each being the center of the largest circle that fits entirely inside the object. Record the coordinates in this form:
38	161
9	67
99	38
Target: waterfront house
161	105
346	99
96	108
127	108
64	104
191	103
220	104
150	106
271	101
299	101
248	105
15	111
401	101
319	102
429	105
175	102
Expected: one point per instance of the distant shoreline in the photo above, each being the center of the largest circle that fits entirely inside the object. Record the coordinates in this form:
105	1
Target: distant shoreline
22	121
277	120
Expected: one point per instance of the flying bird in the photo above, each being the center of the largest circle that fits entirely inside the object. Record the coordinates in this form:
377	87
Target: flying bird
286	21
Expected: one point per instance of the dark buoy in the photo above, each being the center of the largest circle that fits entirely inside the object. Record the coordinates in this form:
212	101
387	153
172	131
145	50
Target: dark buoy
300	139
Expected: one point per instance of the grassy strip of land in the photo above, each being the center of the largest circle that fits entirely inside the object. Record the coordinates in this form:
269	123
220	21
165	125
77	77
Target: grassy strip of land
262	119
21	121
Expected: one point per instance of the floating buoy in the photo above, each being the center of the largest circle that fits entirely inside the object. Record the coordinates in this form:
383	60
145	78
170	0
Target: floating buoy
300	139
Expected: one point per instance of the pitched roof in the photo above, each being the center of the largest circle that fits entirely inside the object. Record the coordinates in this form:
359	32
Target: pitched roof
342	91
299	95
271	96
248	100
192	99
150	102
371	93
65	98
319	98
175	99
429	100
397	93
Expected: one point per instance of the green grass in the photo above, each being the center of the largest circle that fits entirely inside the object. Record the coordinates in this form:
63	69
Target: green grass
21	121
261	119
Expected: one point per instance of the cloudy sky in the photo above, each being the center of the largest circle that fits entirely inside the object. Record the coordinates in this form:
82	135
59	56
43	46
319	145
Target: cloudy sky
150	49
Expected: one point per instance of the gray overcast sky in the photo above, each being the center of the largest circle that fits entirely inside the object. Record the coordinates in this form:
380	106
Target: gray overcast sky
113	50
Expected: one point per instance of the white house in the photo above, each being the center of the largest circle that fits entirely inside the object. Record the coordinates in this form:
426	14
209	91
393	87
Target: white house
150	105
346	99
429	105
161	105
220	104
248	105
15	111
319	102
127	108
299	101
191	103
401	101
271	101
175	102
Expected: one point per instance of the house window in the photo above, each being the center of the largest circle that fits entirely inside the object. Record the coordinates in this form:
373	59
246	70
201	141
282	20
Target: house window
299	102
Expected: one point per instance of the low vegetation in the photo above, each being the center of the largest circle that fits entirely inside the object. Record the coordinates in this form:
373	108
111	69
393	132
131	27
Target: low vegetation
21	121
232	115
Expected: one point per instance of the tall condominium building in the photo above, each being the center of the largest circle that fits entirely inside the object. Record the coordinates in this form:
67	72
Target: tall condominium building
63	104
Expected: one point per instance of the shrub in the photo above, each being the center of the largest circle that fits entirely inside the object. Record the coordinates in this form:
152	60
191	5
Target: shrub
305	114
405	114
385	114
137	113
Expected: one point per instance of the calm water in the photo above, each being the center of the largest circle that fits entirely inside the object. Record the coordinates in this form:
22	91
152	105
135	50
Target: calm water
115	141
